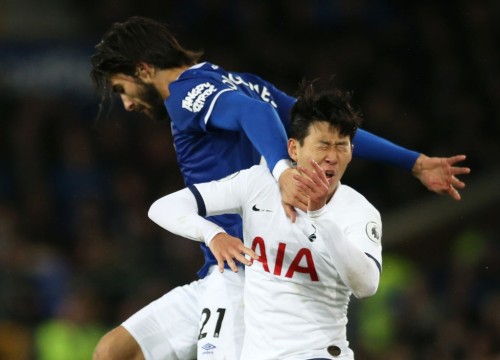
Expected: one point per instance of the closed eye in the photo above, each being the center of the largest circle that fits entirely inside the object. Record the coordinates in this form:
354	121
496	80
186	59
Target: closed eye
339	146
118	89
342	147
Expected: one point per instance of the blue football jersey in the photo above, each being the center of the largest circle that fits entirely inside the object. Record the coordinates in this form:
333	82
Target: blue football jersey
213	140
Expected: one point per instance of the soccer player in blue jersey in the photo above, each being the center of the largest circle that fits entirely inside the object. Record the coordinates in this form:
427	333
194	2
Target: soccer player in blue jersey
222	122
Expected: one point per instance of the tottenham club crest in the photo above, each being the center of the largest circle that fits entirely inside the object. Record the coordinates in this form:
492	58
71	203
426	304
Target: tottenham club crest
374	232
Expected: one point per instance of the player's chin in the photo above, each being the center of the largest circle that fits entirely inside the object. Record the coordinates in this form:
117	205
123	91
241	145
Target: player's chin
333	182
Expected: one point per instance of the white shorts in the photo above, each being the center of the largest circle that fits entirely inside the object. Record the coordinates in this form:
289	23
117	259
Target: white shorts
202	320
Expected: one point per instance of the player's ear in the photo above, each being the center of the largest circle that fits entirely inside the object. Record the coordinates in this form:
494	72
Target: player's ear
145	71
350	154
293	148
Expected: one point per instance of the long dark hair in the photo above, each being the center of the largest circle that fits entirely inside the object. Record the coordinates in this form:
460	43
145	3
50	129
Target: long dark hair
126	44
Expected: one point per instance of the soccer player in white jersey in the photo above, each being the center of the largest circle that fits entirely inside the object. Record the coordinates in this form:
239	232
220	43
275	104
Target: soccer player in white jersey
297	292
222	122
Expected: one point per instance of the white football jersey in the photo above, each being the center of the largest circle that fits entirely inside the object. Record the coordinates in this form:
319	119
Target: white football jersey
295	300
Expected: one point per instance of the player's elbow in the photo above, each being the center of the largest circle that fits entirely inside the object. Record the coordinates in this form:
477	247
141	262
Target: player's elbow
365	285
364	291
154	211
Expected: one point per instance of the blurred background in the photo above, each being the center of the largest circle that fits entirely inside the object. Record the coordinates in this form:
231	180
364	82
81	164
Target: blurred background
78	254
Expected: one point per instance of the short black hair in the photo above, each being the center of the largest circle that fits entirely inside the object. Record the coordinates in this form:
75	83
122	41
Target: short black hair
138	39
320	100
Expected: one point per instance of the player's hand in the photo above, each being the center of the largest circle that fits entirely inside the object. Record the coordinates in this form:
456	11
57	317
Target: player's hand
440	174
229	248
314	184
291	196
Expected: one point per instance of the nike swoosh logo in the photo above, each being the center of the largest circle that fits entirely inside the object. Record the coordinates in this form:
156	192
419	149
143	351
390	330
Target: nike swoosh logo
255	208
312	237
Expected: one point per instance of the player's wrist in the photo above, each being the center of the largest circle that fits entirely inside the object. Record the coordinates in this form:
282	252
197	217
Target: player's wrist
418	167
209	237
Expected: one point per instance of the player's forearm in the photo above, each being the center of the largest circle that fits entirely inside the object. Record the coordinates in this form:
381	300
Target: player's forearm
267	134
359	272
372	147
258	120
178	213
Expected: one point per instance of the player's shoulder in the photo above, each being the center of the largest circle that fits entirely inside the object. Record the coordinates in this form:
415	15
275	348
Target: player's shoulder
249	182
259	173
196	77
256	178
351	198
254	173
217	75
202	72
192	93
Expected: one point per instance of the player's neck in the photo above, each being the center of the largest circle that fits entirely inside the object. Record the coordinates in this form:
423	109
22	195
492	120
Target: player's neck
330	196
165	77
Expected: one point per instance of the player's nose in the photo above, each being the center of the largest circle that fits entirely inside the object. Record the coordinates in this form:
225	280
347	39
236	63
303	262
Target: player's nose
127	103
331	157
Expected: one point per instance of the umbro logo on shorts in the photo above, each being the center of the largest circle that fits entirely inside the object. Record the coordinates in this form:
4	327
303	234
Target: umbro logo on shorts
208	346
255	208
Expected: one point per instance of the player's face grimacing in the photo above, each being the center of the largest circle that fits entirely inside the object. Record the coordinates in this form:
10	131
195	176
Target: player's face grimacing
138	96
323	144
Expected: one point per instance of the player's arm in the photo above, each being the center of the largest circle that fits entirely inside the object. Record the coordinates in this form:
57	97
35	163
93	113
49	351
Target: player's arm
258	120
359	270
182	213
435	173
358	267
261	123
